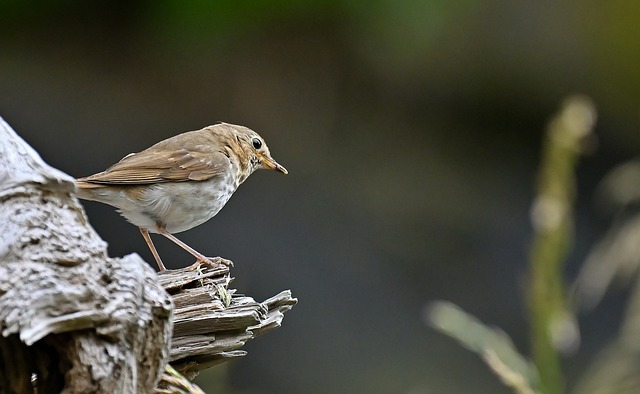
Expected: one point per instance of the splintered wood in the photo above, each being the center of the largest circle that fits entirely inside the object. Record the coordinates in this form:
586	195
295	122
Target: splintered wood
212	322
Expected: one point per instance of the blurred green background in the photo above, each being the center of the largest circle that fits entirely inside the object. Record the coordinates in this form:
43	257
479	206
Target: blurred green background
412	134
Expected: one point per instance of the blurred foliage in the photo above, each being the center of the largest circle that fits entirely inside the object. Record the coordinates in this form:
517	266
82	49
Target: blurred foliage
615	370
495	347
552	217
553	327
615	258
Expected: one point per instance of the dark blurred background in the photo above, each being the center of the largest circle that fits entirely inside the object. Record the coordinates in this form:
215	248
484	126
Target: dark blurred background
411	131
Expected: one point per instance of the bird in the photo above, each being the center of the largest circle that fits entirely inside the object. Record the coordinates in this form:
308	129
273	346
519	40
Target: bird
180	182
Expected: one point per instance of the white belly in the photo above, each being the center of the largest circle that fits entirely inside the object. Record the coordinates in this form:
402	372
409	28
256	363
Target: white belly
177	206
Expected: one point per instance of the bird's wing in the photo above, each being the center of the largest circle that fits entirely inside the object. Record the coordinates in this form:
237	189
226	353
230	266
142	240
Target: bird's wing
162	166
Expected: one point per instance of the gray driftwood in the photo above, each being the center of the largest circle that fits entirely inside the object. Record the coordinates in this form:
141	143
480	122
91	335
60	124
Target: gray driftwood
75	320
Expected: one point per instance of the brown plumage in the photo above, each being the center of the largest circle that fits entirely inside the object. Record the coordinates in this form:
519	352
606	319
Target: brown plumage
181	182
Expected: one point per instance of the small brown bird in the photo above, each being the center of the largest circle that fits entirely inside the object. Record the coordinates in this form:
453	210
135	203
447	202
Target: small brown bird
181	182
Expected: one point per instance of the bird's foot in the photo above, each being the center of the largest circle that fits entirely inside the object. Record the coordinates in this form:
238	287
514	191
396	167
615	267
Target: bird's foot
220	260
215	262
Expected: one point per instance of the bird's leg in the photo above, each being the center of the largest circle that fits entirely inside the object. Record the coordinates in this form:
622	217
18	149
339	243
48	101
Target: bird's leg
154	252
199	256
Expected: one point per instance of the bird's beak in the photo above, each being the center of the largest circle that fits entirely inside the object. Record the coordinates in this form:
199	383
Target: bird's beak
268	163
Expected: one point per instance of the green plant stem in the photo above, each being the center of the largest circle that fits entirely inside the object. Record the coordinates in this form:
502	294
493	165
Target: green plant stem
553	223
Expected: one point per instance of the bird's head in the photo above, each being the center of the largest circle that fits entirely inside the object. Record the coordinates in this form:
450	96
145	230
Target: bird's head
252	149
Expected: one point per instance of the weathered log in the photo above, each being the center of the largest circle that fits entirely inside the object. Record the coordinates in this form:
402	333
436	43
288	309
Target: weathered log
72	318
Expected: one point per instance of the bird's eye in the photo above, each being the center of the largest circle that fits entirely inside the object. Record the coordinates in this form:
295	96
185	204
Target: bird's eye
256	143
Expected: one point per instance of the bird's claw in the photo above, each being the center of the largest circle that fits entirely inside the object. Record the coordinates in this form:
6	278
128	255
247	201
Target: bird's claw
214	262
220	260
